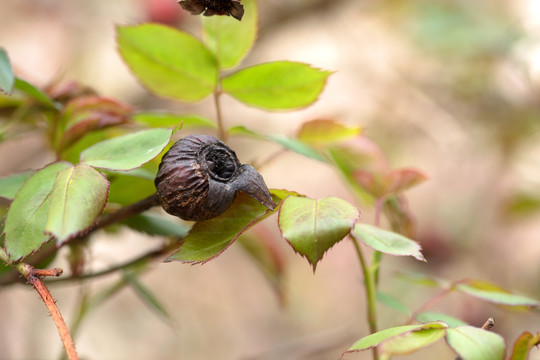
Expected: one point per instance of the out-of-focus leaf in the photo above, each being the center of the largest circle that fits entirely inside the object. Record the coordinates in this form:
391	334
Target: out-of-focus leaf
399	180
422	279
523	345
6	73
314	226
147	296
413	341
436	316
207	239
267	256
168	62
173	120
456	30
379	337
91	113
523	204
230	40
296	146
326	131
25	221
387	242
280	85
493	293
127	152
287	142
240	130
392	302
398	214
126	189
78	197
11	184
472	343
394	182
153	224
36	94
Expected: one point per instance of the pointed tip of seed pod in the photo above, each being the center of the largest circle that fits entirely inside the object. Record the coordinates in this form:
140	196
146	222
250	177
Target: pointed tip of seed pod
252	183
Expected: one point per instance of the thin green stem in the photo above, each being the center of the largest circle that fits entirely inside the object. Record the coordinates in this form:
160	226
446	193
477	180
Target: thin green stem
222	132
377	255
371	294
430	303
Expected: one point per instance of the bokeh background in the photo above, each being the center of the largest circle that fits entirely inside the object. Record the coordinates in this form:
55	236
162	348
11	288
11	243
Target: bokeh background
451	88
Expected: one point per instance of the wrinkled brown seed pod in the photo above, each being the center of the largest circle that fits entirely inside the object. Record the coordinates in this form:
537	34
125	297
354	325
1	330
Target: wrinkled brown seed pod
199	177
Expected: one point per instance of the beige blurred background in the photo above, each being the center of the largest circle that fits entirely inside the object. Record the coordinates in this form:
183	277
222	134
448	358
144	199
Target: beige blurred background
449	87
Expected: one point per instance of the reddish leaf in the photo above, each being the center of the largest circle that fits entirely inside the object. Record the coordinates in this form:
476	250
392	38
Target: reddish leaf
383	184
86	114
326	131
523	345
402	179
370	183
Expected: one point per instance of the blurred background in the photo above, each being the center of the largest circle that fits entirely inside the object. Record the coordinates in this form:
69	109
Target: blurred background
451	88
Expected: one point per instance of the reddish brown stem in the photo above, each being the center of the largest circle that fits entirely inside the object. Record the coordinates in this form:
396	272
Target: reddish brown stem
33	277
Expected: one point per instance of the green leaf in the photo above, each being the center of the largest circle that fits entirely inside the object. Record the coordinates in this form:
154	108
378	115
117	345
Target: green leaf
6	73
494	293
387	242
379	337
297	146
523	345
472	343
435	316
280	85
127	189
207	239
314	226
127	152
87	114
413	341
393	303
78	197
287	142
230	40
173	120
11	184
168	62
25	221
158	225
325	131
422	279
36	94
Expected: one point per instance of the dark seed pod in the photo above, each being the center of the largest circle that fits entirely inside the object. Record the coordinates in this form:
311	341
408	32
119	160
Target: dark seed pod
214	7
199	177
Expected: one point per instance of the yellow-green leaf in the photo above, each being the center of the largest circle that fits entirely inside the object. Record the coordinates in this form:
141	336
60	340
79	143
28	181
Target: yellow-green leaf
170	63
280	85
230	40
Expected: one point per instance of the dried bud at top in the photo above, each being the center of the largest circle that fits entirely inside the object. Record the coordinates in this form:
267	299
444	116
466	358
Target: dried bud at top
214	7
